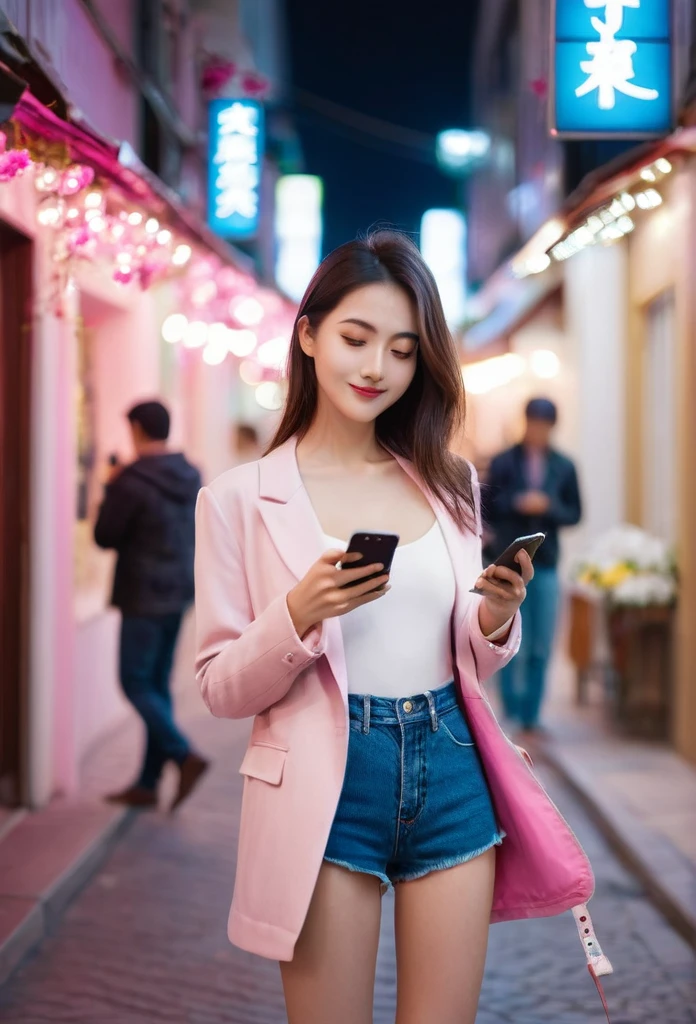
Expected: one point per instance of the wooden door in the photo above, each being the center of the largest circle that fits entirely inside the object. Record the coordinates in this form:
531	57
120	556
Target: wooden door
15	361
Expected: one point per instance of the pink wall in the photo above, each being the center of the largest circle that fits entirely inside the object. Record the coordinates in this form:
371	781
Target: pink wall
61	35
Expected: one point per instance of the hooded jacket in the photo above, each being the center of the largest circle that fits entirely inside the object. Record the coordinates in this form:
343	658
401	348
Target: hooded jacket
148	517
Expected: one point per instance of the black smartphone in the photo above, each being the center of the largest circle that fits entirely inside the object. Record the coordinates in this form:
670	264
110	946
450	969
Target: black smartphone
374	547
529	544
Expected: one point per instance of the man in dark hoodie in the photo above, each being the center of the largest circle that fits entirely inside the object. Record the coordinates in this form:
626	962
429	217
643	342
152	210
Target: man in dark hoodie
148	516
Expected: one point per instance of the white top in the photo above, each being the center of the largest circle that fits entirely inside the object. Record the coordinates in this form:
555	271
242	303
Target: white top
401	645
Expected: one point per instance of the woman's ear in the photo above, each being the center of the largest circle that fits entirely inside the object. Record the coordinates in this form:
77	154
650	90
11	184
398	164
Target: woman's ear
306	337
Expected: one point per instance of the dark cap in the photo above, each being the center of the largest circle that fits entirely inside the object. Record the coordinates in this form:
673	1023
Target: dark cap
153	417
541	409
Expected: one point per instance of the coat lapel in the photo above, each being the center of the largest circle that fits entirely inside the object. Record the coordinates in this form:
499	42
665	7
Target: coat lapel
293	526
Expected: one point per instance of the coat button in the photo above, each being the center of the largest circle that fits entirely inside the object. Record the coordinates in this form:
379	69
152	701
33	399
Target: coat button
408	707
289	656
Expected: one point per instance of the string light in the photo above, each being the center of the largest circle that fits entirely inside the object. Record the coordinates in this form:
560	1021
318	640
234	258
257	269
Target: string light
269	396
273	354
196	334
248	312
94	200
250	372
51	211
544	363
46	179
181	255
174	328
241	343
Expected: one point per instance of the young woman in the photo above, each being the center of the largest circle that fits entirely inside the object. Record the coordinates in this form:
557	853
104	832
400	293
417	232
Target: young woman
375	758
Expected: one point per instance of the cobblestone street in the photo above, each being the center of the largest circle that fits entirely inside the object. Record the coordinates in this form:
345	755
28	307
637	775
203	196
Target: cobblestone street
145	941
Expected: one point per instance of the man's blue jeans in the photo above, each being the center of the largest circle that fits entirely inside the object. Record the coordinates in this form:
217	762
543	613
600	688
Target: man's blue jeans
146	656
522	680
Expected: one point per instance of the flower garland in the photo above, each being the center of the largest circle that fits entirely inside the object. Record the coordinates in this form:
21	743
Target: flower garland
86	221
218	73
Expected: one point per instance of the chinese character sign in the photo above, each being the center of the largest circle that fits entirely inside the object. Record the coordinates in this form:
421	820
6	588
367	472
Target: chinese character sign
612	67
235	152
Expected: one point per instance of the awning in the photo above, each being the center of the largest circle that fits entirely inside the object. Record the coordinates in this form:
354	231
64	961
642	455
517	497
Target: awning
510	298
121	166
505	304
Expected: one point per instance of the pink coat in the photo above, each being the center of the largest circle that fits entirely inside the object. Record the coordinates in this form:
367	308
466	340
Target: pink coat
257	535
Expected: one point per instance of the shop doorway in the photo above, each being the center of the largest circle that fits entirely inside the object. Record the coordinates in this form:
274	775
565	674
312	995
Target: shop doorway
15	361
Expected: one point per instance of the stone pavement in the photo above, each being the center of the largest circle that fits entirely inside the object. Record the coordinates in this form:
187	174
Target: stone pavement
145	940
642	794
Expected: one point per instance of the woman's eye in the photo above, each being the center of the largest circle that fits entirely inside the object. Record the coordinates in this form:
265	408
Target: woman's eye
352	341
402	355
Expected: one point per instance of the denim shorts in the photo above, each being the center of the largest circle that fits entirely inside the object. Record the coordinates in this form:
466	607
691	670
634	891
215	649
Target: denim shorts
415	798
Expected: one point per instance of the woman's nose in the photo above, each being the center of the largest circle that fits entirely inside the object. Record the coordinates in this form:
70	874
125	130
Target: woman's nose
374	370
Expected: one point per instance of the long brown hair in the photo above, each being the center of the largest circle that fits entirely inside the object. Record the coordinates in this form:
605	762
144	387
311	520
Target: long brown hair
419	427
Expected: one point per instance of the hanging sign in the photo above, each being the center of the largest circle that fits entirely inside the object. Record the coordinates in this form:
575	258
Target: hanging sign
612	69
235	154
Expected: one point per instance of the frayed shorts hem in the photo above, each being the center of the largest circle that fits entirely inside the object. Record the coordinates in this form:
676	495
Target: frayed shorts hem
386	884
441	865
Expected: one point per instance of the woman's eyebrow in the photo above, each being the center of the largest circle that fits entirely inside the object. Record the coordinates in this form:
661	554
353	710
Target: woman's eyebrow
370	327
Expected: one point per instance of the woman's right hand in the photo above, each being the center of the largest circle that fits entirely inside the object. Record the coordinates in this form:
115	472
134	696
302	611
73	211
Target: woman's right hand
323	594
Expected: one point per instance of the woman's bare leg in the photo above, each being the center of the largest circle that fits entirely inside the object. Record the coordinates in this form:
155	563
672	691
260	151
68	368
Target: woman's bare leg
331	977
442	924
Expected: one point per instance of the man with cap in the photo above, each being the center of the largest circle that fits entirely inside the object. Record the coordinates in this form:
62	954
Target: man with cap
532	488
147	516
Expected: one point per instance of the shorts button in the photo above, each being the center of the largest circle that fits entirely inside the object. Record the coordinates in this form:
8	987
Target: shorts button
408	707
289	656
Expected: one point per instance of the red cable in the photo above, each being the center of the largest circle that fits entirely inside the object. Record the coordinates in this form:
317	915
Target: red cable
600	990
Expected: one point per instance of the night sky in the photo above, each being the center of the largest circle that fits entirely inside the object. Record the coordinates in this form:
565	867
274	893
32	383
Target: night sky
403	61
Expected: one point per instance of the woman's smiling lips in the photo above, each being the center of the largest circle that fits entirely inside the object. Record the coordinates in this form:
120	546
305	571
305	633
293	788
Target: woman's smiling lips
367	392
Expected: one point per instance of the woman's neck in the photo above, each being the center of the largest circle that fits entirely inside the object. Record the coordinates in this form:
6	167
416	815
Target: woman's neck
333	442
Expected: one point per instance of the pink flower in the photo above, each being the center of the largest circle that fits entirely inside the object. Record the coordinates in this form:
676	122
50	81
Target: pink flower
148	272
80	237
75	179
123	275
255	84
216	74
13	163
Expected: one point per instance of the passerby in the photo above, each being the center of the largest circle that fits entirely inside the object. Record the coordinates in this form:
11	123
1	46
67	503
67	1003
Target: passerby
532	488
247	447
148	516
373	761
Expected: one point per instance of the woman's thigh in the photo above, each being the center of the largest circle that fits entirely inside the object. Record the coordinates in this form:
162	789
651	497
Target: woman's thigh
442	922
332	974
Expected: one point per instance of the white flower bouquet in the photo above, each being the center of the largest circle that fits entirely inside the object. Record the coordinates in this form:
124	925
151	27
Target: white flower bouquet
630	567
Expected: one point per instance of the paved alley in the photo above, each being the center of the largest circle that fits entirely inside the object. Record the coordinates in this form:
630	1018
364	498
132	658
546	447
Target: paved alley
145	940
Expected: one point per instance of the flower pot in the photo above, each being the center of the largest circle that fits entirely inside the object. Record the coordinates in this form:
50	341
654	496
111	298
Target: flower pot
642	659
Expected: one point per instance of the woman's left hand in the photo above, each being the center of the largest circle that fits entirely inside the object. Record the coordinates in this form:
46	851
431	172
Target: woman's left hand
504	591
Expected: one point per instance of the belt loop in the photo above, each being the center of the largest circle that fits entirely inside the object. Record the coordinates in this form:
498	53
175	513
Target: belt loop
433	713
366	714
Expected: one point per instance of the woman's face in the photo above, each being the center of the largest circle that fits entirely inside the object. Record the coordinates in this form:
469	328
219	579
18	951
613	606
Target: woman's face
364	351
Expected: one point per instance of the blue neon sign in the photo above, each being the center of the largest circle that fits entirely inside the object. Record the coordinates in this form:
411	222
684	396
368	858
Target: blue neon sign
612	68
235	154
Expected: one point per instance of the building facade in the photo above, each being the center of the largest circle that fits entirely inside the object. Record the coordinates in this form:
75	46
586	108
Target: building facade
602	323
116	90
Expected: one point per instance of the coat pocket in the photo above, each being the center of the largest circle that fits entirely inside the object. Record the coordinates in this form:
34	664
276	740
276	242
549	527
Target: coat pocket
265	762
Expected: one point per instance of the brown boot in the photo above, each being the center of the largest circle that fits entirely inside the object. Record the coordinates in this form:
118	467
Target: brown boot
134	796
192	769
